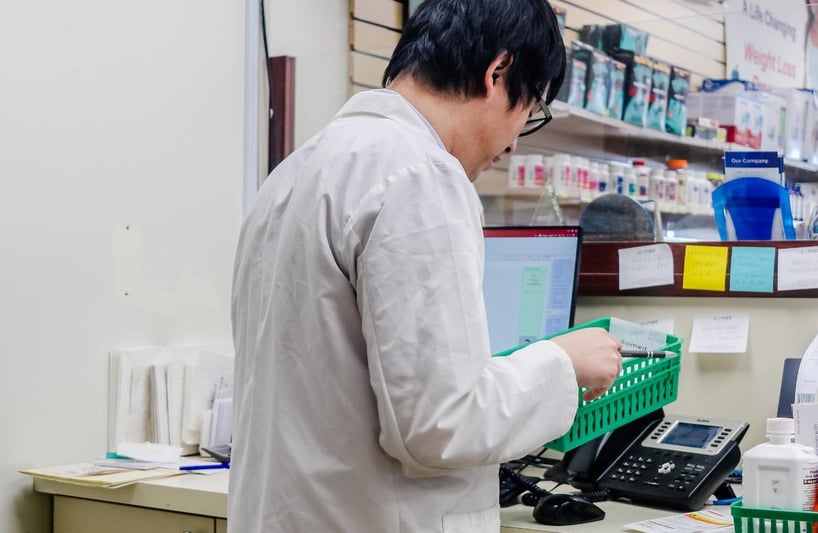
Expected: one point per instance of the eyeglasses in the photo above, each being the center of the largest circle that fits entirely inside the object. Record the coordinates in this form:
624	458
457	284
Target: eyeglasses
537	120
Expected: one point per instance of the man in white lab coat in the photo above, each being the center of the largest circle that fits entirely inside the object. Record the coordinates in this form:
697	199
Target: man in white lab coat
366	397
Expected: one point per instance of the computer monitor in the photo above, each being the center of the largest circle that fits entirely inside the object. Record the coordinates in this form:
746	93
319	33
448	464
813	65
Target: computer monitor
530	282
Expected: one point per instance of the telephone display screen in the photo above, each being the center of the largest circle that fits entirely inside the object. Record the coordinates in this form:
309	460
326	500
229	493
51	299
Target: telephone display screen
691	435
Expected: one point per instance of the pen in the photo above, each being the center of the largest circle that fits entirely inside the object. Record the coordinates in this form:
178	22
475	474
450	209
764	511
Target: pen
649	354
204	467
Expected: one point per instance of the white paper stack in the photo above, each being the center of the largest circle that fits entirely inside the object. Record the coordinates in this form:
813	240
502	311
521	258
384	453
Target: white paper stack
161	394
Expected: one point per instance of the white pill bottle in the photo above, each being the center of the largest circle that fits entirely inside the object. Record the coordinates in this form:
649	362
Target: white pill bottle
780	473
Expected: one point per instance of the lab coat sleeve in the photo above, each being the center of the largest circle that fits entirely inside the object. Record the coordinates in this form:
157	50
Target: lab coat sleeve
443	402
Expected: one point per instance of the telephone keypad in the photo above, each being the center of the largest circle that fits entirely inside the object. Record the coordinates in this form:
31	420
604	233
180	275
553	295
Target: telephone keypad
677	463
661	463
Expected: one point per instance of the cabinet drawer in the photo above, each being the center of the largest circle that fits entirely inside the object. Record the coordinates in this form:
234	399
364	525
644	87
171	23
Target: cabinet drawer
75	515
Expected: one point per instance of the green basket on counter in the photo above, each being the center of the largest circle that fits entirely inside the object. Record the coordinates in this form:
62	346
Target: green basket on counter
757	520
643	386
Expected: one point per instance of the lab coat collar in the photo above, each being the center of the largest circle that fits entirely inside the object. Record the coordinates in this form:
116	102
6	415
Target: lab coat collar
389	104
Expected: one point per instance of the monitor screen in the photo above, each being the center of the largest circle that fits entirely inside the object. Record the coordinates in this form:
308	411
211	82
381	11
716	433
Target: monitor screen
529	282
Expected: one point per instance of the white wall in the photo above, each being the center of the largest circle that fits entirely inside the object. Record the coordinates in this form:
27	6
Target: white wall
315	32
112	115
734	386
121	134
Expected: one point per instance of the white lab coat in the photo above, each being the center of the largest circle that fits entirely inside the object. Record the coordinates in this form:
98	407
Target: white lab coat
366	396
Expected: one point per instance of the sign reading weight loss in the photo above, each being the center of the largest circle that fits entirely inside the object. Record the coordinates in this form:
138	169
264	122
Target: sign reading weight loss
766	41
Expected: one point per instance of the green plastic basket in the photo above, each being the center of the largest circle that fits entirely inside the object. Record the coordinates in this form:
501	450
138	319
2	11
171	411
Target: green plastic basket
643	386
757	520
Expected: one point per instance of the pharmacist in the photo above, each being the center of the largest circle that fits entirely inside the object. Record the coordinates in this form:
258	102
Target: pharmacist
366	396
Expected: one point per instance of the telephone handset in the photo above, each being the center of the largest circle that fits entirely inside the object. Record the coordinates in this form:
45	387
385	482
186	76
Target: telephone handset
669	461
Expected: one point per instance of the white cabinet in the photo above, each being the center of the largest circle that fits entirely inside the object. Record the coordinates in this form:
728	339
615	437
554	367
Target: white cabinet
187	503
77	515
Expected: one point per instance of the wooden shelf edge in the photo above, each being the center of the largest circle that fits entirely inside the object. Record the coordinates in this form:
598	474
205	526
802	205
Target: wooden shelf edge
599	271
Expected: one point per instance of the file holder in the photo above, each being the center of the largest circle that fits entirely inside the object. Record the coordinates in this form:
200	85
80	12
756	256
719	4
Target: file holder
752	209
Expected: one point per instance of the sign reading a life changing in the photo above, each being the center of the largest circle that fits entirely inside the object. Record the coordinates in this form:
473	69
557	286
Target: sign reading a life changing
765	41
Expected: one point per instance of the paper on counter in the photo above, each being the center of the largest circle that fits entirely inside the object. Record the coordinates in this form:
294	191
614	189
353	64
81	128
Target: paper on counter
722	333
108	466
645	266
90	475
705	520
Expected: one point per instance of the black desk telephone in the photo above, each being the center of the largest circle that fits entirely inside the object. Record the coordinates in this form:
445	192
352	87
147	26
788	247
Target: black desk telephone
672	461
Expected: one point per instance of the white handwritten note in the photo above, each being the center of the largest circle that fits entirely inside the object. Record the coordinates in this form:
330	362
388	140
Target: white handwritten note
798	268
666	325
635	336
722	333
645	266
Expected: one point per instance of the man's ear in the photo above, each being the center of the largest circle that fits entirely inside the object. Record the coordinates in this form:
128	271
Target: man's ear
496	70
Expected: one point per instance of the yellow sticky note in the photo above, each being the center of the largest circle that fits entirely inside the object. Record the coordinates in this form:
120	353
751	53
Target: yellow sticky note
705	268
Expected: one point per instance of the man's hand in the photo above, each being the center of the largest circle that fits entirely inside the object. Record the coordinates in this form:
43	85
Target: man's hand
595	355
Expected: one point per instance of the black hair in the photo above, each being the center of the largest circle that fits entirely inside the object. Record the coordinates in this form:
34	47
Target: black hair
449	44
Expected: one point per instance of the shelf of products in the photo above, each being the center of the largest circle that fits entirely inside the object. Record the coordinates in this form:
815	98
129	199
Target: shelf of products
611	137
519	197
584	134
589	123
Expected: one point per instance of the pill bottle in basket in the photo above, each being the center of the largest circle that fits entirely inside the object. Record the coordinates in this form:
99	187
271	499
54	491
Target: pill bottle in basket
780	473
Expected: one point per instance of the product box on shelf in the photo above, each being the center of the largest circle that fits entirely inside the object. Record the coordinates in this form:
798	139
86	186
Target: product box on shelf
810	147
598	82
638	81
603	83
621	37
657	107
702	128
757	115
710	85
736	113
573	88
773	121
797	102
614	38
616	89
591	34
676	122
